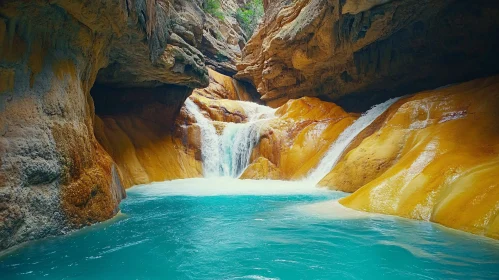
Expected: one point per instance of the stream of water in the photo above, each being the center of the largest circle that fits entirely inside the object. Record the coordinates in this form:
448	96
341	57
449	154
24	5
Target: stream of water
346	137
224	228
228	154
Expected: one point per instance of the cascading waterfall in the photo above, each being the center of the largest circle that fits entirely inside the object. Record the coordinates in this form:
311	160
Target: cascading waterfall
238	140
210	141
336	150
229	154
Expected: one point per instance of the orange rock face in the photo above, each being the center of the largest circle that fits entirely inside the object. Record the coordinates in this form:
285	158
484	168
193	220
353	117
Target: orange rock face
261	168
435	158
146	138
144	152
298	137
54	174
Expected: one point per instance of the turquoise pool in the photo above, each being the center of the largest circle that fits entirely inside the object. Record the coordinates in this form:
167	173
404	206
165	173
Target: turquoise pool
229	229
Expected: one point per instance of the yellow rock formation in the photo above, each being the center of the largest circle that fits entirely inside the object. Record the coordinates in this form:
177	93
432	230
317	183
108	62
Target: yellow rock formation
261	168
219	99
436	158
144	152
298	138
224	87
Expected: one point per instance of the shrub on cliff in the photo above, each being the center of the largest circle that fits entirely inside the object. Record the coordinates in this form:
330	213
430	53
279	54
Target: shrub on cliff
212	7
249	15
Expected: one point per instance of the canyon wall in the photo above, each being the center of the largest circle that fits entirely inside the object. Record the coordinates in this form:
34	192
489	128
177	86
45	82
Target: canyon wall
295	141
359	53
150	134
92	94
434	156
132	61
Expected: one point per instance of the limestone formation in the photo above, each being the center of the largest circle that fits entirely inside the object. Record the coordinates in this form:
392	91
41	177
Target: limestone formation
139	60
261	168
297	139
361	52
92	94
152	137
434	158
223	38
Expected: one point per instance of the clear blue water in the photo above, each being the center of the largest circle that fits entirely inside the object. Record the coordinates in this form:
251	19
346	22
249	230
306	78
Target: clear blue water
192	229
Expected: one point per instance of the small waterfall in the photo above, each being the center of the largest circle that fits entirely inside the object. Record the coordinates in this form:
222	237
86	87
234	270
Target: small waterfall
336	150
229	154
210	141
238	141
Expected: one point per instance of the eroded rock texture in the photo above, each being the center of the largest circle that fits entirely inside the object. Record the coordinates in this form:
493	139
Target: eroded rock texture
295	141
433	156
360	52
152	137
223	38
144	57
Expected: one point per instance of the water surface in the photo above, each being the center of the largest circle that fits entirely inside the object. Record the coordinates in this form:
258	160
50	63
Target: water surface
230	229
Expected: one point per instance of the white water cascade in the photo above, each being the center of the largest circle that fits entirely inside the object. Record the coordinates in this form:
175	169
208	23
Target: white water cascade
336	150
228	155
210	142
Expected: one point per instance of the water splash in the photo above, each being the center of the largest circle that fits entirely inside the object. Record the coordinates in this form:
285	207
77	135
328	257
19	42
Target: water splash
210	142
238	141
346	137
228	155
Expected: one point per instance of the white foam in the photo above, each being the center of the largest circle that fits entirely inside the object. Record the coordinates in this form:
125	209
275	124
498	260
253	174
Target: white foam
229	154
225	186
210	141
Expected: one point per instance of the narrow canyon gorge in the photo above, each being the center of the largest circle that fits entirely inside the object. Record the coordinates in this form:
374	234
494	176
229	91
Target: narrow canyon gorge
390	106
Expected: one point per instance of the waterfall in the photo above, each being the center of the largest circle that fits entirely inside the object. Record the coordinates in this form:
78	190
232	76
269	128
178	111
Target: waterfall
229	154
238	141
210	142
336	150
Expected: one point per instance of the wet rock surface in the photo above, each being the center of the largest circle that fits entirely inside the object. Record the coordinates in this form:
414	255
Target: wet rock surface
433	158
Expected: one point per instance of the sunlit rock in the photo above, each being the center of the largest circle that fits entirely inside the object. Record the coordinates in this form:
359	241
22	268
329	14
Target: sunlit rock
434	158
261	168
296	140
54	174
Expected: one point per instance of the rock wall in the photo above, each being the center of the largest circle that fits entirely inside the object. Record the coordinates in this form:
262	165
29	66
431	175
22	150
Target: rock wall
296	140
434	156
361	52
136	127
150	134
55	59
223	38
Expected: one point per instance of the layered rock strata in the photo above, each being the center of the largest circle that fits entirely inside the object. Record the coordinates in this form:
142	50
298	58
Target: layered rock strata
54	174
359	53
150	134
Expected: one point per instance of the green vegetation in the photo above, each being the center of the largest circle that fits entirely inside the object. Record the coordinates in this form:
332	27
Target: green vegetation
249	15
212	7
